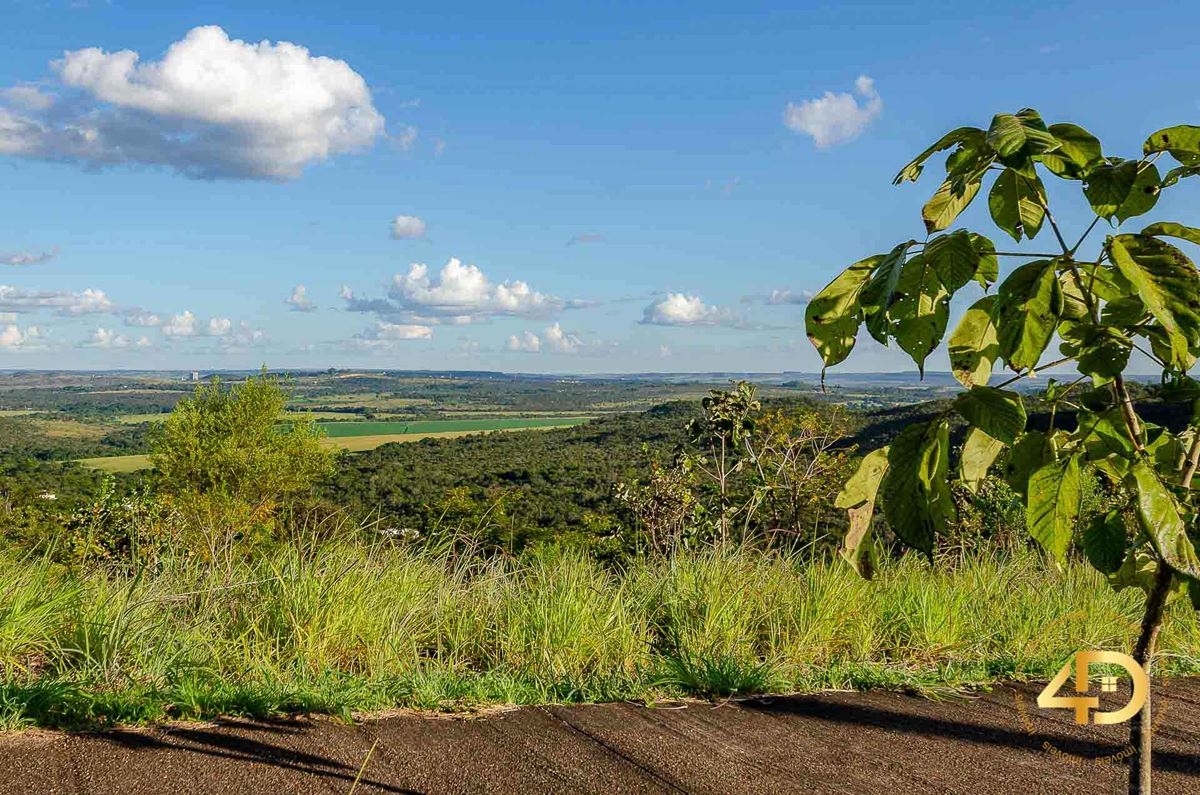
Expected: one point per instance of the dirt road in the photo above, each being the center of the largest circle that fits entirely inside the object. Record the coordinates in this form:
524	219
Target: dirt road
885	743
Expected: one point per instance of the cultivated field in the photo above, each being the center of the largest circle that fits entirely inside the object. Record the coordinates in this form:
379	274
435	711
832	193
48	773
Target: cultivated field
355	437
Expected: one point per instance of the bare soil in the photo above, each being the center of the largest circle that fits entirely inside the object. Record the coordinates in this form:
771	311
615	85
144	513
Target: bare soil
855	743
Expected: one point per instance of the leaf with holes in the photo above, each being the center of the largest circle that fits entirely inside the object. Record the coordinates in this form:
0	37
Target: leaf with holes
973	345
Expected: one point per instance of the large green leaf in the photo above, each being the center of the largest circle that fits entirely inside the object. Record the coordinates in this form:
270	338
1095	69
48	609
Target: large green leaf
1168	285
973	345
954	257
920	311
833	316
1030	452
1018	137
997	412
961	136
978	454
1078	152
1168	229
876	295
1103	541
1182	142
1108	187
1102	352
1105	442
1027	311
1053	504
858	499
1142	196
915	491
948	202
1161	520
1017	204
988	269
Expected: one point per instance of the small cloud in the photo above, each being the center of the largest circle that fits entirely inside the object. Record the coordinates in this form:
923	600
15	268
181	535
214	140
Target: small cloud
299	300
407	227
219	326
586	237
439	146
13	337
28	98
182	325
27	257
385	336
108	339
678	309
835	118
405	138
782	297
139	317
528	342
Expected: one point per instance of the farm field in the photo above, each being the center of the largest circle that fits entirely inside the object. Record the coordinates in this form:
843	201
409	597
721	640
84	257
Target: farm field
337	430
356	437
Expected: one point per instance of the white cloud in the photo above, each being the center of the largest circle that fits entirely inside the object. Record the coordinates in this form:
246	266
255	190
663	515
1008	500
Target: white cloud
406	137
111	340
219	326
299	300
142	318
781	297
459	294
561	341
212	107
346	294
184	325
236	337
26	258
13	337
527	342
90	301
27	97
400	331
678	309
385	336
407	227
835	118
552	339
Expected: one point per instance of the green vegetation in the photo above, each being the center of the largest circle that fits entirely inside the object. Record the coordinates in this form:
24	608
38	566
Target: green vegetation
346	626
684	550
336	430
1135	291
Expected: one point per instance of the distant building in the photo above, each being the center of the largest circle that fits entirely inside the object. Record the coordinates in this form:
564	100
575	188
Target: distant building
195	375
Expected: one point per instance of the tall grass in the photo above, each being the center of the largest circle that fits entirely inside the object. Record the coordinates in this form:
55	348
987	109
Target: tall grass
342	627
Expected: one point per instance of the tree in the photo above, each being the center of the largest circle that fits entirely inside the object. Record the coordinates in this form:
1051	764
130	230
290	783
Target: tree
1135	291
721	432
232	456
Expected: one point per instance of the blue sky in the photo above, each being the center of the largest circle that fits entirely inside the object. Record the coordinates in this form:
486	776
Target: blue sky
590	187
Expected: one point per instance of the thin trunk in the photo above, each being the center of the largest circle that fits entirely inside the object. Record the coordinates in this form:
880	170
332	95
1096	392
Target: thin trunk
1141	728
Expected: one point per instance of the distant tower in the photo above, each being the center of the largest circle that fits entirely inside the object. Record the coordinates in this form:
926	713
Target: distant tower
195	375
